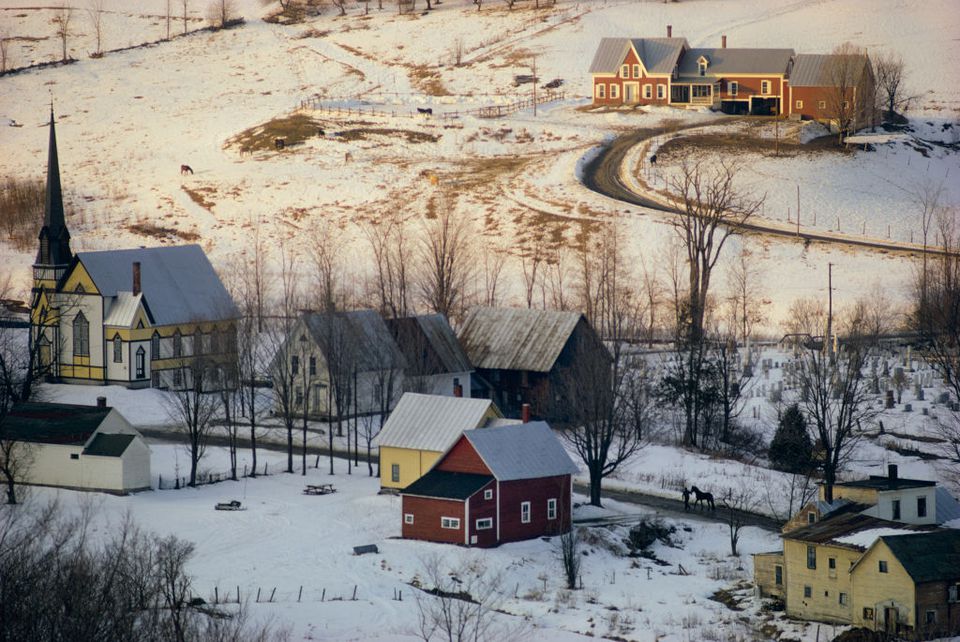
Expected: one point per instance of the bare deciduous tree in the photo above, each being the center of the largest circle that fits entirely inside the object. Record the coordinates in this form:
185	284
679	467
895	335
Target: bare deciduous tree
4	50
850	95
193	408
736	503
393	260
95	14
279	341
458	603
745	296
891	84
185	6
221	12
63	16
568	550
446	263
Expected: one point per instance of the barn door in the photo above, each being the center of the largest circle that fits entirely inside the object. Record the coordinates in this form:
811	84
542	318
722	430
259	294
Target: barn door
890	619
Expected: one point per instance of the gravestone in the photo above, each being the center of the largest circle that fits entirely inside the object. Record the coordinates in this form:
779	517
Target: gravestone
875	385
908	407
889	403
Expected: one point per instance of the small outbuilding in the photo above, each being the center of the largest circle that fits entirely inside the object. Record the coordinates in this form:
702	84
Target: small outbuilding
78	447
495	485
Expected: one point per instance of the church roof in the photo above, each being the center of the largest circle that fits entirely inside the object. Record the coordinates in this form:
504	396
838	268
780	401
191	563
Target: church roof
123	310
54	230
178	283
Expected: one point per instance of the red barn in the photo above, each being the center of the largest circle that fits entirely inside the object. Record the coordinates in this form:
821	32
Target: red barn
494	485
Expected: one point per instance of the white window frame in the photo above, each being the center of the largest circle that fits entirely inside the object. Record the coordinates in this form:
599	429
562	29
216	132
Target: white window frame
450	523
636	71
843	599
117	349
733	88
799	104
552	508
648	91
395	473
408	518
661	91
821	104
488	493
765	86
614	90
524	512
602	90
702	67
484	523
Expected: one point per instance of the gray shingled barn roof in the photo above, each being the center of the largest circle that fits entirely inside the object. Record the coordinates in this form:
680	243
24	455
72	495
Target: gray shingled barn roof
523	451
429	344
432	422
736	61
658	55
515	338
814	70
362	332
178	283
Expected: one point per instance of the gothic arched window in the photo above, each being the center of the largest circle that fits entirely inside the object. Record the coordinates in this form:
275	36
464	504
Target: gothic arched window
81	336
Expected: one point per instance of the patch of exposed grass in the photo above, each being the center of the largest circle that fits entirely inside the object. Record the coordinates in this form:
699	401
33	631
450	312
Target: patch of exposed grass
153	230
740	142
364	133
199	196
21	211
293	129
427	80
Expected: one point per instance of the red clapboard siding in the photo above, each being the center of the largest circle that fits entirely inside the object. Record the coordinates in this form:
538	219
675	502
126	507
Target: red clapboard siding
537	492
462	458
481	508
426	519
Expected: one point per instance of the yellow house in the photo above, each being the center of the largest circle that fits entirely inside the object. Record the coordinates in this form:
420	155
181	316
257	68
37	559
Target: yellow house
422	428
136	317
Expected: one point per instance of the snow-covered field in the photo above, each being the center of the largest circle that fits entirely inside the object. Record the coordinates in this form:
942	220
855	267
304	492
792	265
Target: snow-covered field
127	121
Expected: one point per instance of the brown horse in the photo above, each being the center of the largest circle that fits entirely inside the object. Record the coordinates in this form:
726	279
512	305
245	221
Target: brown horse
186	169
703	498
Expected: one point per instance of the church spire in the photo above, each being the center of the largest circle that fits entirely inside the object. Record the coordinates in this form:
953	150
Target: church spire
54	237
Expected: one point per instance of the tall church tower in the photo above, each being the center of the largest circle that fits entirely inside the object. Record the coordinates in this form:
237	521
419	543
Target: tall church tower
54	255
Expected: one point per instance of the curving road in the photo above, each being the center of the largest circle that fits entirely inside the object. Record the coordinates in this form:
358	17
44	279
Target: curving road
602	175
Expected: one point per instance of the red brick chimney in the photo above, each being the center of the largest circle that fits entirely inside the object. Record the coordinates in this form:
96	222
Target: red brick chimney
669	31
723	41
101	402
525	413
136	278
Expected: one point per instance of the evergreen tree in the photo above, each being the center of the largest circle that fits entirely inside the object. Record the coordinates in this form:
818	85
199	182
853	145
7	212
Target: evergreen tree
791	450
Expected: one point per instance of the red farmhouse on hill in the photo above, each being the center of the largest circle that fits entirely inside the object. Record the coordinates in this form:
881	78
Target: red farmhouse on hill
494	485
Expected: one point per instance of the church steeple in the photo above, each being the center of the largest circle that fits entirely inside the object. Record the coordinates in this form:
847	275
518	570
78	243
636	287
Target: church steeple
54	248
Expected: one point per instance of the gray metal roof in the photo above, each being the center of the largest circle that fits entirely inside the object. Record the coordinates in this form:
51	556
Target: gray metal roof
362	333
817	70
429	344
515	338
948	509
658	55
178	283
724	61
122	309
433	422
523	451
108	445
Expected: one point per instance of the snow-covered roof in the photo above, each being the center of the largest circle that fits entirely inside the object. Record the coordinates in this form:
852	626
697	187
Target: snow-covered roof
523	451
433	422
865	539
516	338
178	282
658	55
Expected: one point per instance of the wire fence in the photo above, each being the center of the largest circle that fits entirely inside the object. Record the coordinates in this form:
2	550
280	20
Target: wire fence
328	107
206	477
272	594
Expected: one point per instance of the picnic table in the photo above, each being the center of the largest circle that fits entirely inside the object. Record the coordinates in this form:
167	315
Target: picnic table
319	489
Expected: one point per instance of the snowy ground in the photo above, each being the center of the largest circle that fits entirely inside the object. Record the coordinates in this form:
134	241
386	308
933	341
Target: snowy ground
128	120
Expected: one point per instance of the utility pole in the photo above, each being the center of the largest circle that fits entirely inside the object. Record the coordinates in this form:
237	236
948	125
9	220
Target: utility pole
827	344
798	209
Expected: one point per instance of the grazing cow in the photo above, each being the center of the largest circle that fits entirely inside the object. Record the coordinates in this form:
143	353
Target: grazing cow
279	143
244	151
425	110
186	169
653	159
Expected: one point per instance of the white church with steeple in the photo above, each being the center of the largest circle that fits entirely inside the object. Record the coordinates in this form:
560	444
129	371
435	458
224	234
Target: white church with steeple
144	317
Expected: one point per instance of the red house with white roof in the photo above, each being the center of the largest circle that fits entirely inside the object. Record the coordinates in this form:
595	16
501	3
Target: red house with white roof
494	485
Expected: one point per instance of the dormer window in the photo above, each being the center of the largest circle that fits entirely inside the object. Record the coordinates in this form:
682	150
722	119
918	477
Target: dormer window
702	64
625	71
636	71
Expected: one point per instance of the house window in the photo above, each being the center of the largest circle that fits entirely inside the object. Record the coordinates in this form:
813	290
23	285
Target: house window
141	366
883	566
700	91
197	342
488	494
811	557
807	591
702	66
395	473
896	509
832	563
953	593
799	104
295	364
525	512
155	346
74	455
299	397
601	91
931	617
614	91
551	509
215	343
765	87
313	366
921	506
177	344
845	104
117	349
81	336
625	71
408	518
821	104
843	599
485	524
661	92
733	87
636	71
451	523
648	91
868	613
778	575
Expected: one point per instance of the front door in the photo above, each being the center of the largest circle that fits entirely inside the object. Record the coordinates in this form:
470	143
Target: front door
890	619
631	92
